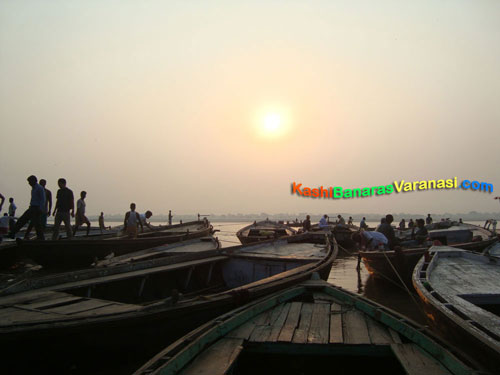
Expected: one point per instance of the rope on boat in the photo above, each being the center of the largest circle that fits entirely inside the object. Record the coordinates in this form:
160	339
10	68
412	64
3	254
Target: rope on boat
403	283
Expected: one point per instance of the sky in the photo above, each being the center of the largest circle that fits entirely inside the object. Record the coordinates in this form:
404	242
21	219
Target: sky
217	107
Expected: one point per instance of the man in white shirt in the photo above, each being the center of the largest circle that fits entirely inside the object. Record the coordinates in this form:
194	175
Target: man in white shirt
132	219
371	240
80	217
144	217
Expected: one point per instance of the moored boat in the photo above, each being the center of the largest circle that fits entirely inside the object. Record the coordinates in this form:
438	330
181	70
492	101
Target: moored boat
145	305
77	253
264	231
398	264
306	329
460	292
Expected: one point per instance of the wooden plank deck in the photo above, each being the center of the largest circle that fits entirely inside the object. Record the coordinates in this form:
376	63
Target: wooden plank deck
325	322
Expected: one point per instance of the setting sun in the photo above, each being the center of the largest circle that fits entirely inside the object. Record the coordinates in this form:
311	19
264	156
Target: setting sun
272	124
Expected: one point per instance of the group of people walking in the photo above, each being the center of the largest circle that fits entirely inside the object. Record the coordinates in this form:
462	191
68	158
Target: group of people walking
40	208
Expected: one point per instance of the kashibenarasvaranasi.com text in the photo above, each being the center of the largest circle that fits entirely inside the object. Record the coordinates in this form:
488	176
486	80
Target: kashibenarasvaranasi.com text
402	186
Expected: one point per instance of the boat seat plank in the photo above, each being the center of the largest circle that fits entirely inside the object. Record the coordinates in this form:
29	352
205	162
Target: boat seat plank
80	306
31	297
323	298
415	362
379	335
113	308
291	322
300	335
52	302
13	315
217	359
320	324
336	333
355	328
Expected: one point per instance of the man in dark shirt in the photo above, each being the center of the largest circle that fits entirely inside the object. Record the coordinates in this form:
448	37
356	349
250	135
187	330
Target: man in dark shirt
421	233
35	210
428	219
64	204
306	225
387	230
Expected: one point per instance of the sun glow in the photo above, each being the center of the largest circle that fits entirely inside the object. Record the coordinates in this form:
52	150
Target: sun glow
272	124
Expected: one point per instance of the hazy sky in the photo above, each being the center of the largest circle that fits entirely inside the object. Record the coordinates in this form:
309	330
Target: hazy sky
162	102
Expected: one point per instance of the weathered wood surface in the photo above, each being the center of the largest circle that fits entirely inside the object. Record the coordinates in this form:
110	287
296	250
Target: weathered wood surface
460	277
217	359
323	322
415	362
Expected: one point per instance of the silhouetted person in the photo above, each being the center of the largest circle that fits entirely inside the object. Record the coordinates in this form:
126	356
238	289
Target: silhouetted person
388	231
48	202
411	224
460	221
402	224
421	233
80	217
35	210
47	209
144	217
64	204
12	213
323	222
362	224
382	221
170	217
4	225
428	219
101	223
12	207
306	224
2	199
349	222
132	219
341	220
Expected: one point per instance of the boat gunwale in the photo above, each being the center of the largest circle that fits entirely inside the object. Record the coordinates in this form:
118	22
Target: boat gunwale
427	297
188	347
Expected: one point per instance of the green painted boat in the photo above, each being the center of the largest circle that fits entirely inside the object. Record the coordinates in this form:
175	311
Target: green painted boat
305	329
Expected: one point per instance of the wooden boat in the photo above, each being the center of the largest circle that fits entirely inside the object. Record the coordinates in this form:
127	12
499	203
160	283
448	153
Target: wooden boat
306	329
460	291
78	253
385	264
145	305
493	250
264	231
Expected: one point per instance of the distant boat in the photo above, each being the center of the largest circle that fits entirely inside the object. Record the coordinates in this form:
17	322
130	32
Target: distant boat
460	291
145	305
308	329
82	252
264	231
396	264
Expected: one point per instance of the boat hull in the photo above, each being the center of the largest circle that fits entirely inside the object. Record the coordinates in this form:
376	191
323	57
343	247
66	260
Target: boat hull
145	331
397	265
